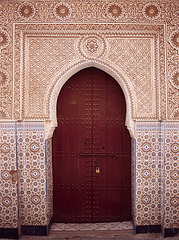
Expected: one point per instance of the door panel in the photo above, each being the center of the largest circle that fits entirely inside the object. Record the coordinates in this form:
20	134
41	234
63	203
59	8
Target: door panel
91	151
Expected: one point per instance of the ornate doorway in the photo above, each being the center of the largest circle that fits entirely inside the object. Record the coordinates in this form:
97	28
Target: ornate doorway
91	151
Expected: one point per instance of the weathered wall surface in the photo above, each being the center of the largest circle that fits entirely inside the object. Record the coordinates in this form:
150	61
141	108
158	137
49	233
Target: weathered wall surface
42	44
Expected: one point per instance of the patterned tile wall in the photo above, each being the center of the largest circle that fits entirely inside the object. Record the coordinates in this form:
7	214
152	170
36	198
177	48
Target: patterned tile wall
171	136
32	173
23	147
157	174
148	174
8	176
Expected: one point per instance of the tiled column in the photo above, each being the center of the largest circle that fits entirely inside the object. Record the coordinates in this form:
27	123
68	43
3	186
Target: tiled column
9	212
34	178
26	201
171	194
148	214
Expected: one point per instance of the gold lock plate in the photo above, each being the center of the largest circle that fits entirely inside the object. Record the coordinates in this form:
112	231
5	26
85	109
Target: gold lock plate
97	170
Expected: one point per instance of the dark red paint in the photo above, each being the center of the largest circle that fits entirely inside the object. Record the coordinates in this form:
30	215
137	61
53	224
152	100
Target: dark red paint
91	151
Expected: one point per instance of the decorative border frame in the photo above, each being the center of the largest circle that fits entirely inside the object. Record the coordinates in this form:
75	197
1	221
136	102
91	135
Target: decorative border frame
23	30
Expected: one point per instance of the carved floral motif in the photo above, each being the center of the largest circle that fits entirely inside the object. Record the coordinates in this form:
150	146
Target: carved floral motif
115	11
26	11
92	46
4	39
4	78
62	10
151	11
175	79
174	39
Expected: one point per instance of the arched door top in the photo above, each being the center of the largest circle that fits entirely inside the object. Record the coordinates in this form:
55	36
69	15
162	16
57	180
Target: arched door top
62	77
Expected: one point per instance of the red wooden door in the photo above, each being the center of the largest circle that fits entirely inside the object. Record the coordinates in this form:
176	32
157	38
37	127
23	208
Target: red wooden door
91	151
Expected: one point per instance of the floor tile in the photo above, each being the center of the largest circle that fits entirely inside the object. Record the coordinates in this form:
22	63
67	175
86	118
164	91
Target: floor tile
100	226
86	226
72	227
127	225
58	226
115	226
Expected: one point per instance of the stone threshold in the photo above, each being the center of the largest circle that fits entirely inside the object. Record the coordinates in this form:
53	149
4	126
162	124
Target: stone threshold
113	226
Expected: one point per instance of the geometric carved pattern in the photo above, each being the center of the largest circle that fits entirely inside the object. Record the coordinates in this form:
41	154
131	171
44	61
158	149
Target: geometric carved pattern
49	52
46	57
90	12
134	57
5	92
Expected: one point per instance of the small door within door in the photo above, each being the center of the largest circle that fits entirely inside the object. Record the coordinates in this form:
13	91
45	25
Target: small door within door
91	151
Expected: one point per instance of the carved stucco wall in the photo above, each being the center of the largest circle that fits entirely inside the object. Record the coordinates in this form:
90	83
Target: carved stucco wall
42	44
51	53
41	41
